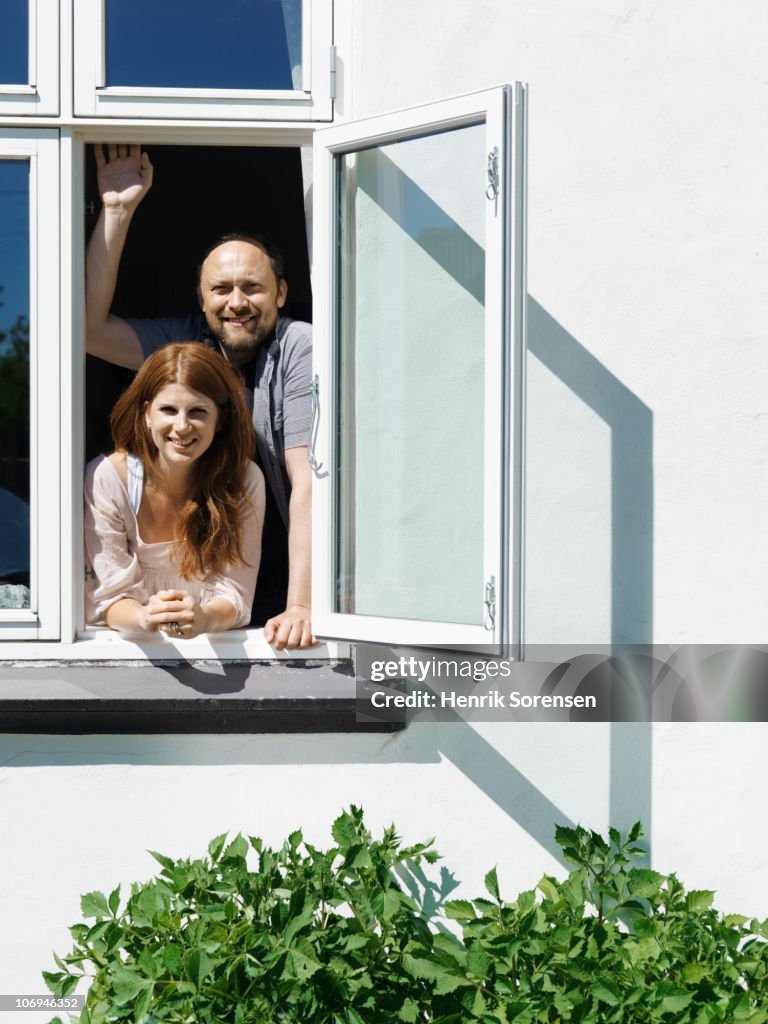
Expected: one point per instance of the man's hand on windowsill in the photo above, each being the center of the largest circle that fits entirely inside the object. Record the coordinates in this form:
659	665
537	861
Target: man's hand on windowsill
290	629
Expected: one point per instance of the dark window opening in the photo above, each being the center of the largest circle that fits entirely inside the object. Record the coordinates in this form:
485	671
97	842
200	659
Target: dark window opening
200	193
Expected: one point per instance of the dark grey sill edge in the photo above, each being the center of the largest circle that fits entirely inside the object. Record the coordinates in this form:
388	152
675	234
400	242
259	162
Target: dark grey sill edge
182	697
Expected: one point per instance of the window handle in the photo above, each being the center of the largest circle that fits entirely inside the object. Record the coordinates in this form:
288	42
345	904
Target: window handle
314	426
489	619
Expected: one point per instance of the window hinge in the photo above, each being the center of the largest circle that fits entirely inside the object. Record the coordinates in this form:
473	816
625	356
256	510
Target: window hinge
489	619
333	72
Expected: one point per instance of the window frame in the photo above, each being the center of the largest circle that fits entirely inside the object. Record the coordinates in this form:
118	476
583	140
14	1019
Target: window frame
314	102
66	380
40	147
503	111
40	94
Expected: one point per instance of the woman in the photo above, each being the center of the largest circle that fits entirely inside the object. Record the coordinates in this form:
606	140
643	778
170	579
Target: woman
173	516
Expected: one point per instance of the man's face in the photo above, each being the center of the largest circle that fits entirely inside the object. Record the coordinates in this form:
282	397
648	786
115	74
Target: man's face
240	298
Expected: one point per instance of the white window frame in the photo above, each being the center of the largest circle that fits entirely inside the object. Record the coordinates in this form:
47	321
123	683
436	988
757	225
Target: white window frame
66	263
40	94
40	148
503	112
314	102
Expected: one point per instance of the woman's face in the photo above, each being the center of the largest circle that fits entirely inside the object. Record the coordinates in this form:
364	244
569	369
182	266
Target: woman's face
182	423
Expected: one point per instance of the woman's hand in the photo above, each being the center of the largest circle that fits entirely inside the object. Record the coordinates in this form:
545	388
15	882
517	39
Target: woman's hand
173	612
177	614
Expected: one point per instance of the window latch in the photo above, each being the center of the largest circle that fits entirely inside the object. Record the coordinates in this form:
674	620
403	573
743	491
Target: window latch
314	426
489	619
492	191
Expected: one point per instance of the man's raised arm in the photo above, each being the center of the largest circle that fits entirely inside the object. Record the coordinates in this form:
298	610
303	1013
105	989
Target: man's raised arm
124	177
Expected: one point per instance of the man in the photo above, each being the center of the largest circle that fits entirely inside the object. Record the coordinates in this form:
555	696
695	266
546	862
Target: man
241	291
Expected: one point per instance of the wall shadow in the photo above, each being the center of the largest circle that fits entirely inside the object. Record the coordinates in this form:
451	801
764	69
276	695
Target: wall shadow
630	422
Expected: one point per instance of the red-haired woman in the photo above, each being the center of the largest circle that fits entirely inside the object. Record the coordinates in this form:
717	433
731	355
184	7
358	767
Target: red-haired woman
173	516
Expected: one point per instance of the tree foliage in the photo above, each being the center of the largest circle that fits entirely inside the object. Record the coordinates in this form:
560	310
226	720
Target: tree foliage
14	376
332	937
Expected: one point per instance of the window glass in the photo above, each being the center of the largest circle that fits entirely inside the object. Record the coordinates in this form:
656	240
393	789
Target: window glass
227	44
14	42
410	494
14	384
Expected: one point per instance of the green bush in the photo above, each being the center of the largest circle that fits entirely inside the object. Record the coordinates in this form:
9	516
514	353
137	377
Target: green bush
332	937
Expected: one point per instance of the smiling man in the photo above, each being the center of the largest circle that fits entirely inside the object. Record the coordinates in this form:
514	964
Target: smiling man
241	292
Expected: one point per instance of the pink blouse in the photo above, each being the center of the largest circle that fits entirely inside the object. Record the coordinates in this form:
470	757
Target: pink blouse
120	564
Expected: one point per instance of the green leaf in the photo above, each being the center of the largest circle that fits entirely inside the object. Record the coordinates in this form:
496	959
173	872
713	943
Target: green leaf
459	910
699	900
114	900
735	920
606	990
127	984
409	1011
303	966
142	1006
391	904
172	959
420	967
694	973
477	961
449	983
548	888
344	830
216	846
677	1002
94	904
237	848
54	980
478	1004
197	966
492	884
644	883
295	838
167	862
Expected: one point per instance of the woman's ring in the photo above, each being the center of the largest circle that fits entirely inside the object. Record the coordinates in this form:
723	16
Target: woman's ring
174	628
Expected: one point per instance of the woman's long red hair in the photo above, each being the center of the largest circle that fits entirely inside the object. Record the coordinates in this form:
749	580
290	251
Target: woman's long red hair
208	531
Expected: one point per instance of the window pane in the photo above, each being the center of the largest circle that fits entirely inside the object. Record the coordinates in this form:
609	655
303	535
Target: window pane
225	44
14	384
14	42
411	371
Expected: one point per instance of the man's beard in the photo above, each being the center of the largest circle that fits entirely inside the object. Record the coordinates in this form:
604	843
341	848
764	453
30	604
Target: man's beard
244	349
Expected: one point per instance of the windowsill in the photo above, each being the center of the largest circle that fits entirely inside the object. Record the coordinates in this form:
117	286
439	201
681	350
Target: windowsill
106	645
219	684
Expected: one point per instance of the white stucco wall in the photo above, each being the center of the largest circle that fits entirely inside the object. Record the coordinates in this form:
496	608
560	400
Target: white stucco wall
85	810
648	224
647	244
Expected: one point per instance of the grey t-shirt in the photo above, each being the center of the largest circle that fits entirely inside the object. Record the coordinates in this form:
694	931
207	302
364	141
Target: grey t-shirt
278	387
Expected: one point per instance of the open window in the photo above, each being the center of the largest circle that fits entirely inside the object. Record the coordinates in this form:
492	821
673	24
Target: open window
419	333
200	192
29	57
264	60
29	385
